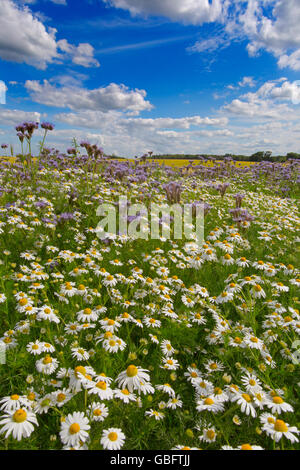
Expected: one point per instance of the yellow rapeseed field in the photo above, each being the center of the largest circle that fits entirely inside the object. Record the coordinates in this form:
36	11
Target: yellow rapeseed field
171	162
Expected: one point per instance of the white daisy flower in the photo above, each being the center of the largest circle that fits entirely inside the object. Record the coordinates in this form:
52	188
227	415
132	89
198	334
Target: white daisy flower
74	429
112	439
19	423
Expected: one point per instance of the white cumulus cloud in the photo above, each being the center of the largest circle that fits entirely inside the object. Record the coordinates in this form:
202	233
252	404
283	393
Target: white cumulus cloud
186	11
110	98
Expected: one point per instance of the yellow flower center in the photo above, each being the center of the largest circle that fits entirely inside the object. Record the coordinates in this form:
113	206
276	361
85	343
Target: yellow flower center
102	385
113	436
246	447
20	416
61	397
74	428
280	426
47	360
108	334
246	397
125	391
210	434
208	401
97	412
131	371
277	400
15	397
79	370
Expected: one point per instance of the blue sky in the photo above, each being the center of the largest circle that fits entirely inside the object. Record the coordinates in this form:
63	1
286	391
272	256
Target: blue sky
175	76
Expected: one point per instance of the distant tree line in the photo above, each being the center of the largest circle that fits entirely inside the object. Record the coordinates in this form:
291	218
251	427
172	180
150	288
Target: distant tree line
255	157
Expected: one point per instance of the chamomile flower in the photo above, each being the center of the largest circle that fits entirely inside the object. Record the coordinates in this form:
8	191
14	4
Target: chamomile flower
13	402
278	405
166	388
46	365
35	347
74	429
112	439
60	397
132	377
20	423
277	428
158	415
209	434
114	344
100	388
170	363
98	411
167	348
124	395
175	403
245	401
80	354
251	382
151	322
209	404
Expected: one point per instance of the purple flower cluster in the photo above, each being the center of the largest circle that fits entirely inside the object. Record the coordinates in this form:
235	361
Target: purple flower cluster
173	191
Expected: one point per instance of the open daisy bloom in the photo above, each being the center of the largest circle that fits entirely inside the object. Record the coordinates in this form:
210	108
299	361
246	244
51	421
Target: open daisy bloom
19	423
112	439
74	429
132	377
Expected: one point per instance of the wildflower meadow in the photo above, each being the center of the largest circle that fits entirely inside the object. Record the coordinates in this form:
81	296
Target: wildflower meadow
135	342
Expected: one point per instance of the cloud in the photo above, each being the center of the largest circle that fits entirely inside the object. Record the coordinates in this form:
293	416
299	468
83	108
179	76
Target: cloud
142	44
83	54
206	45
292	61
111	98
23	38
275	30
272	100
100	120
247	82
194	12
128	136
11	117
